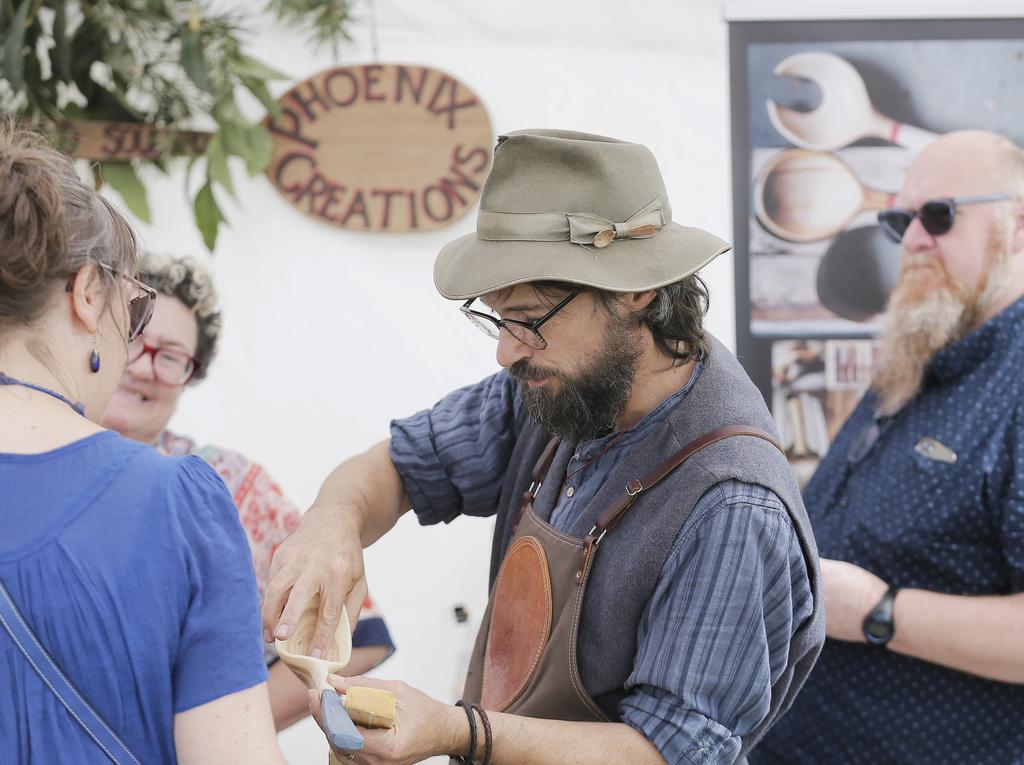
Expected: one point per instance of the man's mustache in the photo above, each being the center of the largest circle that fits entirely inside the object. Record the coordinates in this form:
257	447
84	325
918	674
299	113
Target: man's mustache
522	371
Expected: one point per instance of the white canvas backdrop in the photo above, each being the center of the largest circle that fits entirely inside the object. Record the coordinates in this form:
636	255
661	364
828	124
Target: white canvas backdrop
329	333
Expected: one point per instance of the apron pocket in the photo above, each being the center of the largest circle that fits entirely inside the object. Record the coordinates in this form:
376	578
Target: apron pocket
520	624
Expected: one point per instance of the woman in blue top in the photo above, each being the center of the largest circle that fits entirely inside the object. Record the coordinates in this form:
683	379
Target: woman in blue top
131	568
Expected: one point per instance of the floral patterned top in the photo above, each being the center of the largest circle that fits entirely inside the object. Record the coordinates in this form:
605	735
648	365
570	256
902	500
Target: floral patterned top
267	516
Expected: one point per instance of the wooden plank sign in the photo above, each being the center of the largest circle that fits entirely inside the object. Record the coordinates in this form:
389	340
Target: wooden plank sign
121	141
381	147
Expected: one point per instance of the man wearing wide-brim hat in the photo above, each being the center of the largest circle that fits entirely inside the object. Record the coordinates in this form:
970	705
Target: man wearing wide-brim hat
654	580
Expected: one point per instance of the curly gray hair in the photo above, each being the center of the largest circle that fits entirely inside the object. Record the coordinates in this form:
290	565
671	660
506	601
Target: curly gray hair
188	280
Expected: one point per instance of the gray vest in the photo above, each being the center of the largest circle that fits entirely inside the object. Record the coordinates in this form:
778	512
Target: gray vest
630	558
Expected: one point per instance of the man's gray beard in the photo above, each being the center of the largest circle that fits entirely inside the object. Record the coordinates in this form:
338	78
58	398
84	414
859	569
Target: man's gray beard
588	404
915	328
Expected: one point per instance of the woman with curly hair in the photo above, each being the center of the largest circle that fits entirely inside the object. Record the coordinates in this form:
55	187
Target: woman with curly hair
178	346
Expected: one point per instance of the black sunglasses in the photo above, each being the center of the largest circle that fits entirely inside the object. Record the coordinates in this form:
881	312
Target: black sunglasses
936	216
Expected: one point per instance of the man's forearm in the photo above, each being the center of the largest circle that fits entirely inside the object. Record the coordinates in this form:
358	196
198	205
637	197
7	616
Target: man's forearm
368	490
531	741
982	635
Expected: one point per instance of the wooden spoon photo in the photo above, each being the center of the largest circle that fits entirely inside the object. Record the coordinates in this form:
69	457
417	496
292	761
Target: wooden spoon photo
845	114
806	196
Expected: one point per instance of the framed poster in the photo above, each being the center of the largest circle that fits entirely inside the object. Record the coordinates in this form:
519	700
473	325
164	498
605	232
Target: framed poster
827	116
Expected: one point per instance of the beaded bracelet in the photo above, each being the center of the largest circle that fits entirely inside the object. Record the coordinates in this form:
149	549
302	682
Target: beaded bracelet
468	760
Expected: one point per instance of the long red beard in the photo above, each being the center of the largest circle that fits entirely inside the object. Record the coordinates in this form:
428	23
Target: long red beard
928	311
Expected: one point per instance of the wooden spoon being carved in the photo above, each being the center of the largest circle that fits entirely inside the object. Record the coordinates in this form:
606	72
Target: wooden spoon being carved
370	707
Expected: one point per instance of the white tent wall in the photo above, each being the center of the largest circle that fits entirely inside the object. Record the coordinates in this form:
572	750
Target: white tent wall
331	333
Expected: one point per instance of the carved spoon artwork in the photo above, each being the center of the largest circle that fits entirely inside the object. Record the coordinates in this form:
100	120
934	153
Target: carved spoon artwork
806	196
845	114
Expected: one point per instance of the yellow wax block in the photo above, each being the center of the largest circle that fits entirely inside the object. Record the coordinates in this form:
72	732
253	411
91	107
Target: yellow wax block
370	707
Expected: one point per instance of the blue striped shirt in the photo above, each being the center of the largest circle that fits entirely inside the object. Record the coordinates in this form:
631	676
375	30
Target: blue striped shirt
715	634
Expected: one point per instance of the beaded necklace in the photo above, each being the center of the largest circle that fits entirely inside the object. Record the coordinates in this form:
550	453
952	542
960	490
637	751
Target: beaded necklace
5	380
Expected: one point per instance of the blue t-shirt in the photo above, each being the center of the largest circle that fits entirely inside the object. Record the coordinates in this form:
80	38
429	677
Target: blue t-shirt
134	572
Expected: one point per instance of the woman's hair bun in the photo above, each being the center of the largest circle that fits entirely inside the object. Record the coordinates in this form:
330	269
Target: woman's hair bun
51	225
33	243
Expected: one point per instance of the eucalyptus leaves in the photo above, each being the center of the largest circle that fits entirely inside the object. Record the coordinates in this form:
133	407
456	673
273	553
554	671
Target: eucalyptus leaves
168	63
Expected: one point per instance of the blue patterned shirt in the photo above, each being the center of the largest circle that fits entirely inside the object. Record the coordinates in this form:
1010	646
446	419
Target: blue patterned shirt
715	634
910	512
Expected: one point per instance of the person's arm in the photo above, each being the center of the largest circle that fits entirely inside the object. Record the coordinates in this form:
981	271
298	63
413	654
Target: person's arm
221	709
982	635
234	728
452	461
360	501
425	727
715	635
288	701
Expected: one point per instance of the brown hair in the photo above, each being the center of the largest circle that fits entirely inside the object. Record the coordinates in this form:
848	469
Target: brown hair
51	225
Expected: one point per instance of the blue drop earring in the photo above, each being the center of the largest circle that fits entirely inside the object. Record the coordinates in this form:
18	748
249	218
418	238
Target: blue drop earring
94	359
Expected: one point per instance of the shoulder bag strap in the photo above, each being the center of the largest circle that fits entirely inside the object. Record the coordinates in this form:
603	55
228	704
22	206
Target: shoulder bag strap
54	679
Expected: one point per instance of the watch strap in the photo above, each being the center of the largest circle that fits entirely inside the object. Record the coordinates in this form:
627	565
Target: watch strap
881	615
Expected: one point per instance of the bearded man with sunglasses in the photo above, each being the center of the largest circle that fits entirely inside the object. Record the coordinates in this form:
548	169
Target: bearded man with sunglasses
918	507
654	591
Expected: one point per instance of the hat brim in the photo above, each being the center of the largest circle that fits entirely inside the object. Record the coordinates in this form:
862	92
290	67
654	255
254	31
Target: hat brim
470	267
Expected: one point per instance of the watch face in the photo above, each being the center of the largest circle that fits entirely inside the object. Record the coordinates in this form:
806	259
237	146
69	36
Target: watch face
877	632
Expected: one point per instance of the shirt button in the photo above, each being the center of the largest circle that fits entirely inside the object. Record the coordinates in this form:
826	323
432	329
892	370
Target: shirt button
844	501
570	491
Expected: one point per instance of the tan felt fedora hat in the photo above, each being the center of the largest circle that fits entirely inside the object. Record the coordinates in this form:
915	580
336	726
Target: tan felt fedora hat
577	208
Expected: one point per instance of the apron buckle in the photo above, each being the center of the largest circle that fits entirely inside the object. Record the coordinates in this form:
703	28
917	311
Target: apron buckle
590	544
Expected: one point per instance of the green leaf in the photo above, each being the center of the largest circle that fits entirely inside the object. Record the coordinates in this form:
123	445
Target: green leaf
14	60
193	60
246	66
208	215
122	178
235	140
6	14
259	89
61	54
217	167
261	149
121	59
87	45
226	112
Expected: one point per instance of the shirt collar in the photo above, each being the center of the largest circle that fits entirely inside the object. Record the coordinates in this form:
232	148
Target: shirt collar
996	336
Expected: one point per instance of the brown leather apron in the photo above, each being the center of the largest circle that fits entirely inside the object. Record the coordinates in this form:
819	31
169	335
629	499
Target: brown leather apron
524	661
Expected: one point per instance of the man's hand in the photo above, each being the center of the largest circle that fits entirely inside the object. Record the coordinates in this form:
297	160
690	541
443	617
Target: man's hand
423	726
850	593
321	563
322	559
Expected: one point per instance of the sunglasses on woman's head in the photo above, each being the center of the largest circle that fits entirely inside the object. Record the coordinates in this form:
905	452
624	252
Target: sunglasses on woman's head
936	216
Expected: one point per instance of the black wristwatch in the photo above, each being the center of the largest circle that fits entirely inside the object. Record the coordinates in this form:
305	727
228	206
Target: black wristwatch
878	624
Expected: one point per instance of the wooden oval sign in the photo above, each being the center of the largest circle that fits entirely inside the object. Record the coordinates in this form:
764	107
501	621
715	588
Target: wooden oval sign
381	147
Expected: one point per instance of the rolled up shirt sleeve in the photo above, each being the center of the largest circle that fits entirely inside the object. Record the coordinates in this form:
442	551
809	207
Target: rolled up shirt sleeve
452	458
715	634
